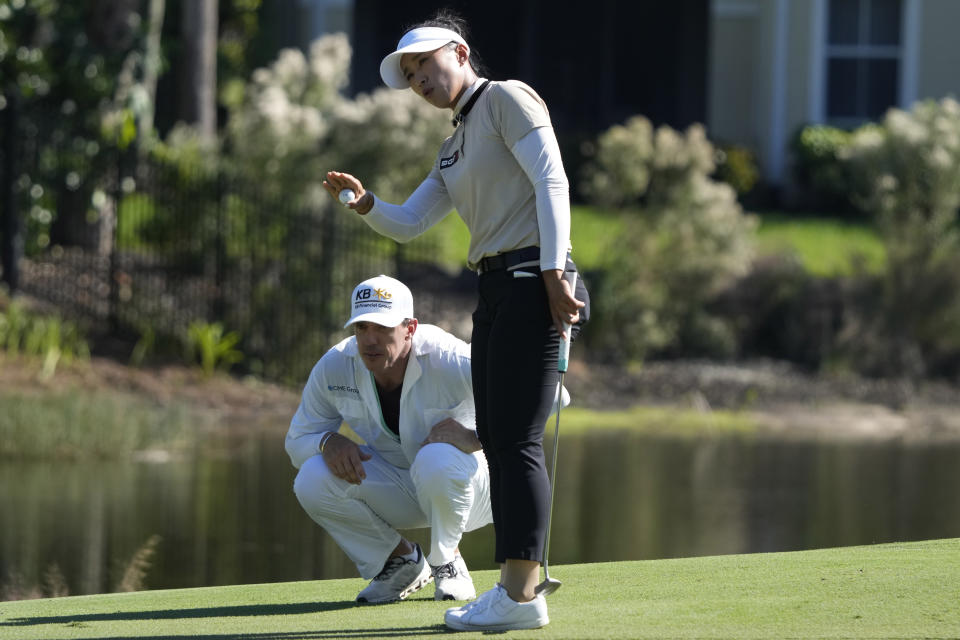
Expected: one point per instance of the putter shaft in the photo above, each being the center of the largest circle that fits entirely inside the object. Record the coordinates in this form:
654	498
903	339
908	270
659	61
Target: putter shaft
549	585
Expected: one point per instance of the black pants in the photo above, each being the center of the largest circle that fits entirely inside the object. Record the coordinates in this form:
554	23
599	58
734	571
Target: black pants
514	363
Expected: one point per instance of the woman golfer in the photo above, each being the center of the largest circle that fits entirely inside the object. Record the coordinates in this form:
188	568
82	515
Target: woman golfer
501	171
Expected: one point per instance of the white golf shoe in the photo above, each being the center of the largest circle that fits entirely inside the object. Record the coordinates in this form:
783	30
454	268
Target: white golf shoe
494	610
453	581
398	579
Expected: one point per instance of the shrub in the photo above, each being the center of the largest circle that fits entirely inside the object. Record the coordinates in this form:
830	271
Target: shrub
780	310
818	170
619	173
737	166
686	240
251	207
207	343
48	339
906	172
293	125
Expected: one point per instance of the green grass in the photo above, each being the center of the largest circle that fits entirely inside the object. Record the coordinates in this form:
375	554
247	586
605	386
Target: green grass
883	591
658	420
592	231
826	247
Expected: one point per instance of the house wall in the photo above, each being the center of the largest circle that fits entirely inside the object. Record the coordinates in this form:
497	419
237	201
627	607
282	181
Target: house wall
733	70
758	76
766	70
938	52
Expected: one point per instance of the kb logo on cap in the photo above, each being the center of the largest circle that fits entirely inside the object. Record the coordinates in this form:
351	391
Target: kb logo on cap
379	294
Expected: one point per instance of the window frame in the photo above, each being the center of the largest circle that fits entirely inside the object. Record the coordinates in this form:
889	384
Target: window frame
822	51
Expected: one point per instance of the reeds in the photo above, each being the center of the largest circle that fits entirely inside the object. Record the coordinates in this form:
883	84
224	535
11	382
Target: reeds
77	425
54	583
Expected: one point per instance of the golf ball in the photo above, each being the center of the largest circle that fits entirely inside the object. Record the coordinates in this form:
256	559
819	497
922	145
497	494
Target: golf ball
346	195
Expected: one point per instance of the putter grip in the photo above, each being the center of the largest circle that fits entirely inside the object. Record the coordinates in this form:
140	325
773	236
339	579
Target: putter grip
571	278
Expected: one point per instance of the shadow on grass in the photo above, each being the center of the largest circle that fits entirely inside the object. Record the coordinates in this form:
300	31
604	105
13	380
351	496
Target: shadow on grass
174	614
84	620
398	632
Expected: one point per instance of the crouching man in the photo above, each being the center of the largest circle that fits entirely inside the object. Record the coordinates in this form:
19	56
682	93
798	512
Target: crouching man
405	389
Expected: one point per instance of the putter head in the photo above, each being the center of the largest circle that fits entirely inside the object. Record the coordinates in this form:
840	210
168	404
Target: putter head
547	587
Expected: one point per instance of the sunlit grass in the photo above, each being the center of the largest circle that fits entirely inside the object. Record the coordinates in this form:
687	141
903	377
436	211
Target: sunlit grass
882	591
452	240
826	247
670	421
592	231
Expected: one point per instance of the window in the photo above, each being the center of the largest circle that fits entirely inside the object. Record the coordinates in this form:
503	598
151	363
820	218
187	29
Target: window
864	55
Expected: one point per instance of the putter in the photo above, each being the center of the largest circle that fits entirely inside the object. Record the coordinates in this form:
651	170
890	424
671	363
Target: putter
549	585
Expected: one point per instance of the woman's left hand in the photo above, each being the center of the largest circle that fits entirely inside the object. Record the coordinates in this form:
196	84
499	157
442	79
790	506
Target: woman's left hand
564	307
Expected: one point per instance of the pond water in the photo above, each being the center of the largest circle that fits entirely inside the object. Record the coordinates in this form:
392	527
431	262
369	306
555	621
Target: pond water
232	518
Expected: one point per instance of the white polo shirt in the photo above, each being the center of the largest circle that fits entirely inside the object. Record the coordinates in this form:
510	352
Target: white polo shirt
436	385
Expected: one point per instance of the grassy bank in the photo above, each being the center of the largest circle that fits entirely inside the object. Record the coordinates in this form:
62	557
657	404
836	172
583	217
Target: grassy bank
883	591
657	420
64	421
825	246
75	424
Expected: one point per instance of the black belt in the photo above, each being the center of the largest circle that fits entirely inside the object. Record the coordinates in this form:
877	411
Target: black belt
509	259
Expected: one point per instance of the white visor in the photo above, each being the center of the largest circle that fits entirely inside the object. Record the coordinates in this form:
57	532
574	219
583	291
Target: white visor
415	41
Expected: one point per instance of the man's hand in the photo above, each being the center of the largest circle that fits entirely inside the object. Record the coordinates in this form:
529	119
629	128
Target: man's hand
452	432
344	458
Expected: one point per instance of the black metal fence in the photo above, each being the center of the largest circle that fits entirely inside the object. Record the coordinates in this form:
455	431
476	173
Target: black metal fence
132	245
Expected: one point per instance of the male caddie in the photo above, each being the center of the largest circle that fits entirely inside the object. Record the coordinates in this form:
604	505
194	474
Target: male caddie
405	388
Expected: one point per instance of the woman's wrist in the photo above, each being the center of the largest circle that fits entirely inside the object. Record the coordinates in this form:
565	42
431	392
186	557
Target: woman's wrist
365	203
556	274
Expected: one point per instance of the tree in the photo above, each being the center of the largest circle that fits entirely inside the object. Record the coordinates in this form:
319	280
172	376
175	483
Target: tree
199	91
63	59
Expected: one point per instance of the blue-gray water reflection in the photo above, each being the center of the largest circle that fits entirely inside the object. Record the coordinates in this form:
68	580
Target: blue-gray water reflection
620	496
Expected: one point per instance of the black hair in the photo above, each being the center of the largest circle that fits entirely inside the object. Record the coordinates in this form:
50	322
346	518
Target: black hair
450	19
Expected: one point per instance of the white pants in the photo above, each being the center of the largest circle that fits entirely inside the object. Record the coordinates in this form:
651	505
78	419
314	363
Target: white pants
444	489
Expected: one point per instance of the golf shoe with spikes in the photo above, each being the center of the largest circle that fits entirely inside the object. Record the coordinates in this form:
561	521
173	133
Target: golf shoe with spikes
453	581
398	579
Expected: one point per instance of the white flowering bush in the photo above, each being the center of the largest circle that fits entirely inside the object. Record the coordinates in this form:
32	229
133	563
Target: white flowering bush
288	254
293	124
687	239
906	173
907	169
285	110
389	139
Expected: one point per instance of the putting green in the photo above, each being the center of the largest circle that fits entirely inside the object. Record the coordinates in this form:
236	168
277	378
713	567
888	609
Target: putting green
881	591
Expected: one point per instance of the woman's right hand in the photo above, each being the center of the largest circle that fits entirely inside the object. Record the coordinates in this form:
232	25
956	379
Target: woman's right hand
337	181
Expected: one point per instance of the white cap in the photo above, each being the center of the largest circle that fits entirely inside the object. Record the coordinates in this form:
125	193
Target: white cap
382	300
415	41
